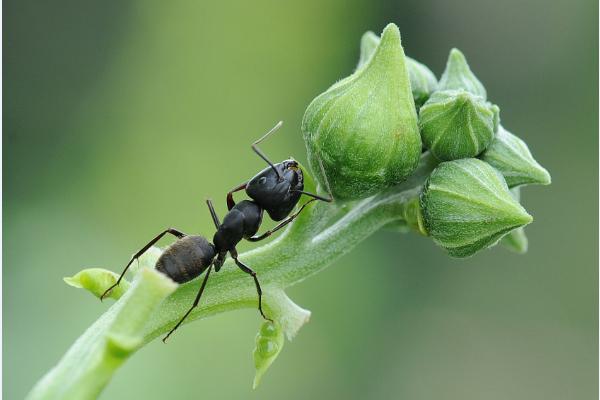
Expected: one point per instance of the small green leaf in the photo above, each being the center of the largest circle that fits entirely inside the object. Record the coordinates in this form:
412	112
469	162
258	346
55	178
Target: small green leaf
289	315
458	75
269	342
467	207
97	280
511	156
364	128
457	124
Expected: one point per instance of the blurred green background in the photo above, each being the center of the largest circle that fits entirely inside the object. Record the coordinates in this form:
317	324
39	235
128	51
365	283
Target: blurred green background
120	118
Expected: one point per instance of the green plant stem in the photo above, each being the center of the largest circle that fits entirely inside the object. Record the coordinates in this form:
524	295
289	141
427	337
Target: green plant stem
320	235
90	363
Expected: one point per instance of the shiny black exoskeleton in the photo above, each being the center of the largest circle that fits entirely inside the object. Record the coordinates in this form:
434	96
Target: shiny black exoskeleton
186	259
278	196
276	189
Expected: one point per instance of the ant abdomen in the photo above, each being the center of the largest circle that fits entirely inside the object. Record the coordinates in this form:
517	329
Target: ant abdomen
187	258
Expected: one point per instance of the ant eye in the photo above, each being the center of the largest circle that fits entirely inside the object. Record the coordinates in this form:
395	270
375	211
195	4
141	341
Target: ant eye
262	181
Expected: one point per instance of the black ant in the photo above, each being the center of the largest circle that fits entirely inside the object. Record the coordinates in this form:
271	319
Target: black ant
276	189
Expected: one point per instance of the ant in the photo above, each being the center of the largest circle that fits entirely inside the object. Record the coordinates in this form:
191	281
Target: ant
276	189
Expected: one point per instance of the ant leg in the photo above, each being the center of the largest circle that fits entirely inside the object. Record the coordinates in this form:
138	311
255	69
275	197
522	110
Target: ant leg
317	197
172	231
221	256
196	301
281	224
213	213
261	154
251	272
230	202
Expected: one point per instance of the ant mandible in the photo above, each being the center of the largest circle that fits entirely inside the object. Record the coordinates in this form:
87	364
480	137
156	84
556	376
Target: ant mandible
276	189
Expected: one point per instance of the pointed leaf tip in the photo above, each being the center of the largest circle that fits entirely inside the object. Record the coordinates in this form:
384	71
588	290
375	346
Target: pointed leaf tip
422	81
391	30
458	75
511	156
457	57
96	281
269	342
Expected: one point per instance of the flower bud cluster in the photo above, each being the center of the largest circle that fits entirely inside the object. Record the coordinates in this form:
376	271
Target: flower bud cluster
369	129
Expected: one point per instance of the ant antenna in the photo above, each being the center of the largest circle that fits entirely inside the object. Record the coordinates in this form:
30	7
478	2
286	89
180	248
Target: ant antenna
325	178
213	214
261	154
272	130
316	196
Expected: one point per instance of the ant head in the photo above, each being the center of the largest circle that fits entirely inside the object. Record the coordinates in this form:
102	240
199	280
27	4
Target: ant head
292	169
276	189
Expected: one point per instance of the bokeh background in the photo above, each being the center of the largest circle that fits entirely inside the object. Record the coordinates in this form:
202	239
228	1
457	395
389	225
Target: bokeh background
121	117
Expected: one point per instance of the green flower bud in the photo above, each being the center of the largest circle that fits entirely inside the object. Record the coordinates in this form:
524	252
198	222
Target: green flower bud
516	240
467	207
96	280
458	75
368	44
364	128
457	124
422	81
269	342
510	155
